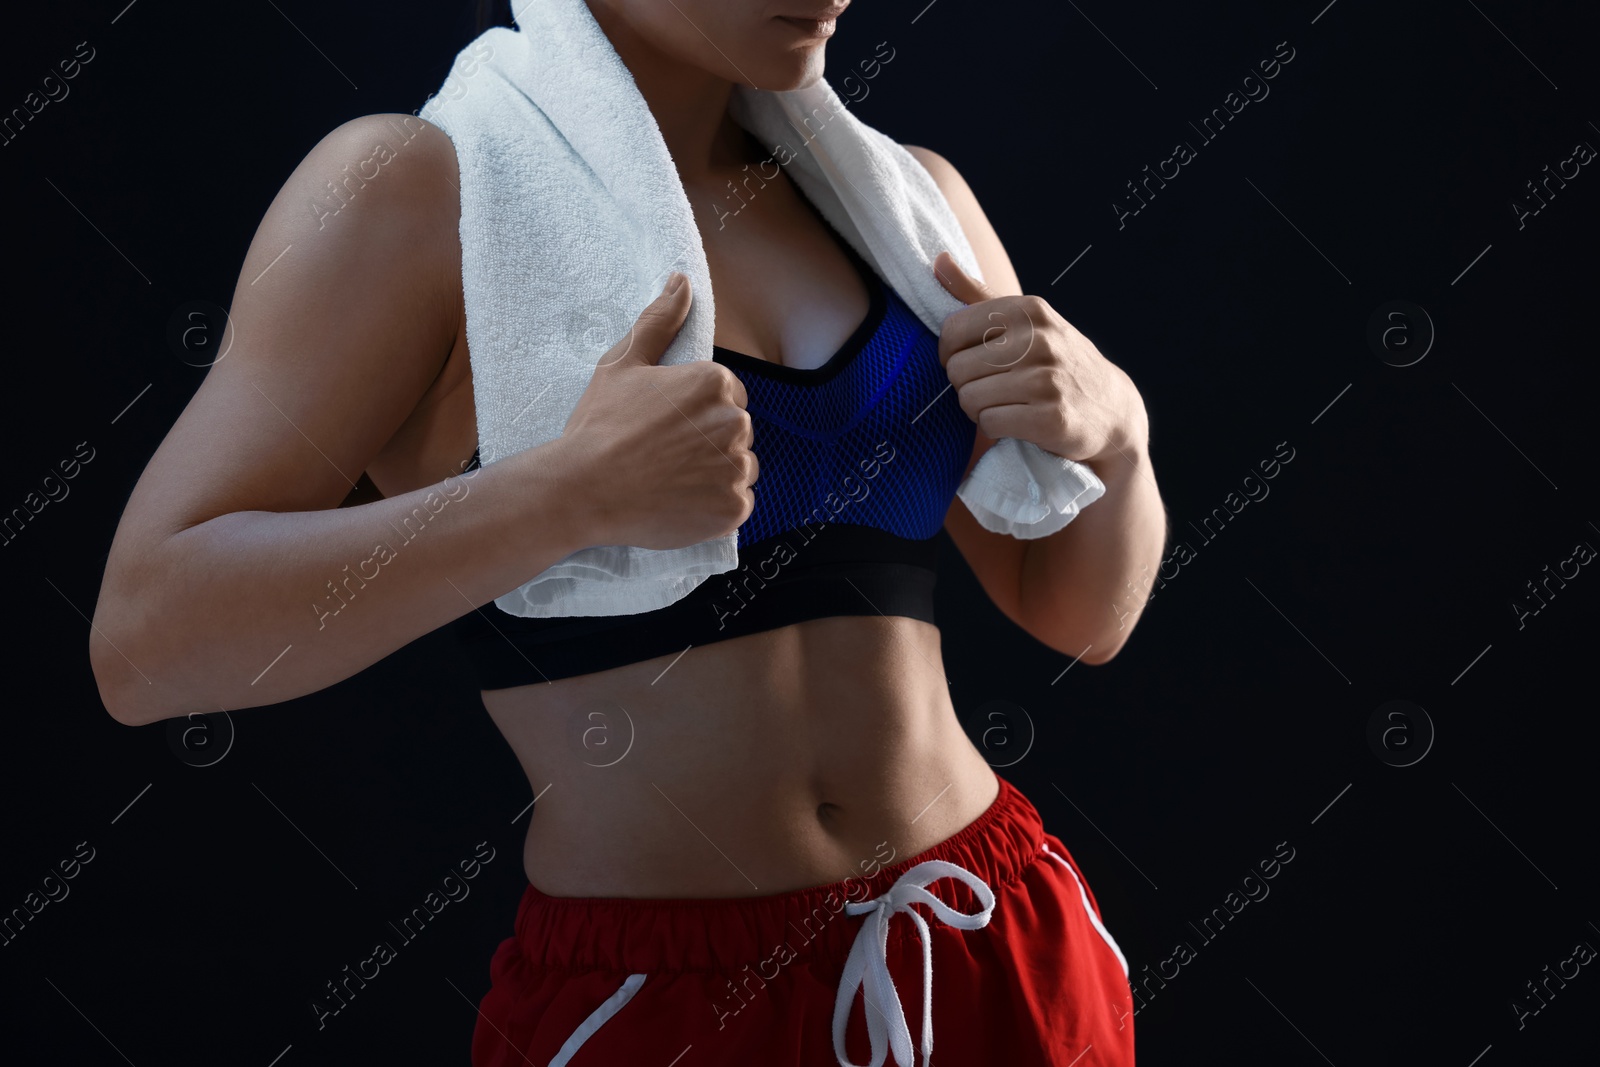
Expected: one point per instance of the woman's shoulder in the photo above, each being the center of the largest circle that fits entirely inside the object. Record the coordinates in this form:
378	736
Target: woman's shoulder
395	159
377	198
993	261
397	128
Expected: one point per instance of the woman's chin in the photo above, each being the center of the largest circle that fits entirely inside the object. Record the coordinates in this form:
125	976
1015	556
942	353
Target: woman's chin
798	69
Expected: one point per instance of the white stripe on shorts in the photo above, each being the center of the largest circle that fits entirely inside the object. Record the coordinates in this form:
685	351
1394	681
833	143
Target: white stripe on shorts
1104	933
597	1019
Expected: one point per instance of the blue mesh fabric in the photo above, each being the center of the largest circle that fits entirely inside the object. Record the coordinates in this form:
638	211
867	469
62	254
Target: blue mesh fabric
877	439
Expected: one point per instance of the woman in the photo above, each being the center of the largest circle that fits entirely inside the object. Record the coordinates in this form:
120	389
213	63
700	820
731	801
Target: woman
737	794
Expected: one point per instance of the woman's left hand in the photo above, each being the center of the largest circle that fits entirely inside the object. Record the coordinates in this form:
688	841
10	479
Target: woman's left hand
1023	371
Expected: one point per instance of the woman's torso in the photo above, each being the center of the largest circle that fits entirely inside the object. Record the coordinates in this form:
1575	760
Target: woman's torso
767	762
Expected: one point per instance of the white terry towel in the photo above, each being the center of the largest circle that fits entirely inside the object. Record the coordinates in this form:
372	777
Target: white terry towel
573	214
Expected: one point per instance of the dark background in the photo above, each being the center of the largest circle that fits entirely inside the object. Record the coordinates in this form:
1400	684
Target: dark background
1382	566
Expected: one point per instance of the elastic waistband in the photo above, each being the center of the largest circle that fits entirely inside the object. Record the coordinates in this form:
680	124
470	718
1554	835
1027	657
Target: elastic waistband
723	934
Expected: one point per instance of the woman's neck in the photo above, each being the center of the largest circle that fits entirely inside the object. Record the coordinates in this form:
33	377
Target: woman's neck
690	104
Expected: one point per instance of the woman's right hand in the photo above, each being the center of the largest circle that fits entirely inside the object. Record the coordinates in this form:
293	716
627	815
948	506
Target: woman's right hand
661	455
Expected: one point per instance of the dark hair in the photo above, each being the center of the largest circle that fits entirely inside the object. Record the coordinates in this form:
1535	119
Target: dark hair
488	14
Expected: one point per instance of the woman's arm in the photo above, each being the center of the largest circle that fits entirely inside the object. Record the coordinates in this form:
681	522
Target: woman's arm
235	579
1081	589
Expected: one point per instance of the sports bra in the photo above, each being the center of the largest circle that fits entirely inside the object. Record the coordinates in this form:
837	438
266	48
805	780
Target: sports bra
859	458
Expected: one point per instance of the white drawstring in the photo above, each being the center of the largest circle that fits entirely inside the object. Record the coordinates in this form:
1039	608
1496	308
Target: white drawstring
867	967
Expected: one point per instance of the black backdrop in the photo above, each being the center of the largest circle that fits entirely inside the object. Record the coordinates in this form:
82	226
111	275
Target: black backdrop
1441	856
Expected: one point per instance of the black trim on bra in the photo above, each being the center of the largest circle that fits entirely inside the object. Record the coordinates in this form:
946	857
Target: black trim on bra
842	570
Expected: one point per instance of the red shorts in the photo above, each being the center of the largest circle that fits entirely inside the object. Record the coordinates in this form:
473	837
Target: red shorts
1027	975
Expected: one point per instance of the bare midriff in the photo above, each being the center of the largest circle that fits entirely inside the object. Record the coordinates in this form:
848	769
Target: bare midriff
765	763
